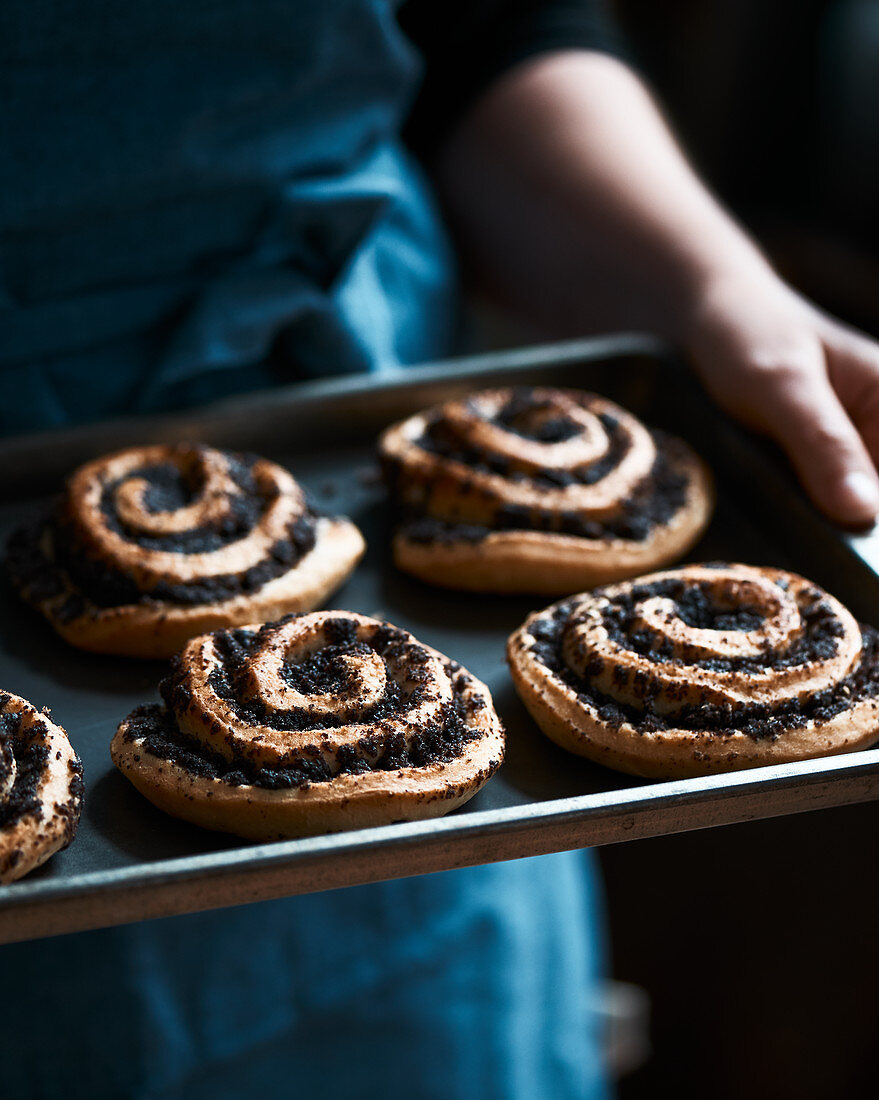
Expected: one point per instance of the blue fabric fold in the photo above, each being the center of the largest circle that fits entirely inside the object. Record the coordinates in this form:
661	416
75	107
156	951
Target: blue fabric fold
468	984
198	199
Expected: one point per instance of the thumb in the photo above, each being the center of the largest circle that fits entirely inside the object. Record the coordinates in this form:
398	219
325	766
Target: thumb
804	414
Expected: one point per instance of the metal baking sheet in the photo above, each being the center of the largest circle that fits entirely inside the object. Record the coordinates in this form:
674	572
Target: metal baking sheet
131	862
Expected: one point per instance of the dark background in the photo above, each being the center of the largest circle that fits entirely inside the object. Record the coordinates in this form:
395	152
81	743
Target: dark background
777	102
758	943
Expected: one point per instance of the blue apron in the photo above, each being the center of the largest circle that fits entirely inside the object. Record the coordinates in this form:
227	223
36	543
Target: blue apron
186	185
198	198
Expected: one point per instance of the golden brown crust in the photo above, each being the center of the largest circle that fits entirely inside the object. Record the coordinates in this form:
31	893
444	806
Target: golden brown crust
40	788
548	564
627	678
599	500
244	548
369	728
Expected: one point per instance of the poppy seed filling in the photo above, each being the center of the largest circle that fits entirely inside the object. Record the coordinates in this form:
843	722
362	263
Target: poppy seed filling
382	747
757	721
654	501
30	755
47	558
695	606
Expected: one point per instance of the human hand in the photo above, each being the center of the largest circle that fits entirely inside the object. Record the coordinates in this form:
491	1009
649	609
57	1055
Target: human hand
576	207
784	368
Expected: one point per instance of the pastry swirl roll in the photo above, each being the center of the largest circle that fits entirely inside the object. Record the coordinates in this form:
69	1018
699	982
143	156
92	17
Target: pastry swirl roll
153	545
40	788
312	724
701	669
539	490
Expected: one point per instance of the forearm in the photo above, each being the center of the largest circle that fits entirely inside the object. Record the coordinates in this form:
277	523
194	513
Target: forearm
571	199
573	202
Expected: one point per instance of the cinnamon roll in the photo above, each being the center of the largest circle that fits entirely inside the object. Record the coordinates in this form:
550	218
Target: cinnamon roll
151	546
40	788
701	669
539	490
313	724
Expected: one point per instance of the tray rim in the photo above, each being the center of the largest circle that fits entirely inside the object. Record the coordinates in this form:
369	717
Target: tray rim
31	910
228	410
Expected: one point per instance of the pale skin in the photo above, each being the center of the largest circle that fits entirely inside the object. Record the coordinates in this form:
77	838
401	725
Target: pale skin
576	205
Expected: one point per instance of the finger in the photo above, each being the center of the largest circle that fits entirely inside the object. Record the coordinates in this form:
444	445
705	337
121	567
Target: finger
805	415
853	364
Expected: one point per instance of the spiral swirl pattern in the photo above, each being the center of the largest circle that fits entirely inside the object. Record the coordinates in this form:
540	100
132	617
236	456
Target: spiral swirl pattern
293	718
40	788
173	521
605	495
701	668
163	533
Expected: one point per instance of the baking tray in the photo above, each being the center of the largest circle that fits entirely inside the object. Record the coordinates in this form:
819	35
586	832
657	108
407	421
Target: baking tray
131	862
